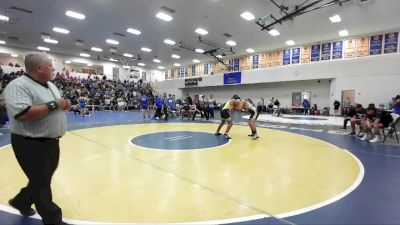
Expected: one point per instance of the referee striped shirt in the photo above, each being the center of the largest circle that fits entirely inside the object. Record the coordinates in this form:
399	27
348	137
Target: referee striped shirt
24	92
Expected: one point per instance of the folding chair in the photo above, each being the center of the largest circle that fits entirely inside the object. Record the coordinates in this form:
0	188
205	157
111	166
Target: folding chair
392	127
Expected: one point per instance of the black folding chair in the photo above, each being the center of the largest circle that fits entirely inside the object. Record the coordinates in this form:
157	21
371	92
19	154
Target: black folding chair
392	128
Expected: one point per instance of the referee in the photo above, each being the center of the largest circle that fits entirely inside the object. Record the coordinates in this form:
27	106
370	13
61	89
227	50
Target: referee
37	117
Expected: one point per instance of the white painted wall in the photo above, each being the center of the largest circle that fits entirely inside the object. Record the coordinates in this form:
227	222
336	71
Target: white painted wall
376	78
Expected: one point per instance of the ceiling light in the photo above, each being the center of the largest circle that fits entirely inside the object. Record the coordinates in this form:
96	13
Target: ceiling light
290	42
247	16
156	60
343	33
52	41
274	32
82	61
89	64
196	61
60	30
84	55
199	50
128	55
75	15
4	18
95	49
2	42
146	49
67	62
177	64
201	31
141	64
219	56
175	56
161	67
14	55
113	60
231	43
163	16
111	41
250	50
169	42
43	48
133	31
335	19
126	67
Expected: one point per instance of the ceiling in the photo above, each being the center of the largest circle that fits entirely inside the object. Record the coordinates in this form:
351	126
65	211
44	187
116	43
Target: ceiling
104	17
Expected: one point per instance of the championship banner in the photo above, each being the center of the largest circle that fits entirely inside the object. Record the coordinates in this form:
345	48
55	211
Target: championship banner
255	61
233	78
182	71
246	62
278	58
295	55
391	42
286	57
376	44
305	54
193	71
270	59
236	64
362	46
230	63
349	48
326	51
337	50
205	67
172	74
315	53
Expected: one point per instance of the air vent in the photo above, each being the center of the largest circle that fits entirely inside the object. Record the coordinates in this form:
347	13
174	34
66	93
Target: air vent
165	8
13	38
227	35
119	34
176	49
21	9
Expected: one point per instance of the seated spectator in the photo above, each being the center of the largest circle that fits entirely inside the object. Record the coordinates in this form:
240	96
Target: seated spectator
396	104
358	118
186	111
306	106
368	123
313	109
383	121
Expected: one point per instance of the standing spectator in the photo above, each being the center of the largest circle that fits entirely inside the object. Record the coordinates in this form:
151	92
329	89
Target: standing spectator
37	116
260	106
159	105
189	99
144	104
336	106
211	105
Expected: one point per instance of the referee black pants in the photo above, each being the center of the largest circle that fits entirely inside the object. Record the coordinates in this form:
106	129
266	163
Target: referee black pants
38	159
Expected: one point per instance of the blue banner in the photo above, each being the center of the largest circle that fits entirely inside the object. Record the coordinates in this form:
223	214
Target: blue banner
391	42
255	61
286	57
326	51
205	69
236	64
193	71
295	55
315	53
233	78
376	43
143	75
337	51
182	72
166	74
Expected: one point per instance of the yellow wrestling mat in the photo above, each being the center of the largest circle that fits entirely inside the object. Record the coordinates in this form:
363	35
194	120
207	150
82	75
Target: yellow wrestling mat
103	177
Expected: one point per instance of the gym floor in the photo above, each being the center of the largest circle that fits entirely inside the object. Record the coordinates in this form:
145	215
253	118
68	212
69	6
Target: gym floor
116	168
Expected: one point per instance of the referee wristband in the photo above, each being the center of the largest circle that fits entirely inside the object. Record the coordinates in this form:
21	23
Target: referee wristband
52	105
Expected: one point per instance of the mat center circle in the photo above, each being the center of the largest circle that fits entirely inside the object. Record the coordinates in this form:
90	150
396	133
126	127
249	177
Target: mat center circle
179	140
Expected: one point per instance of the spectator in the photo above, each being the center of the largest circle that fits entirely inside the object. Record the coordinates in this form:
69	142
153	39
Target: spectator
336	105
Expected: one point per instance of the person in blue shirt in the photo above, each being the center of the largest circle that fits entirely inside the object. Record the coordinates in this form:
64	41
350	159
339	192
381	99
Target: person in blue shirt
165	105
396	104
306	106
144	104
82	105
159	105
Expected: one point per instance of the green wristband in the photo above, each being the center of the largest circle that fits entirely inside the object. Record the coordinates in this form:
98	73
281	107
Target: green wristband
52	105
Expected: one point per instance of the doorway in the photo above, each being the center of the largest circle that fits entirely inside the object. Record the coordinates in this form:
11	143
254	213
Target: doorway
348	99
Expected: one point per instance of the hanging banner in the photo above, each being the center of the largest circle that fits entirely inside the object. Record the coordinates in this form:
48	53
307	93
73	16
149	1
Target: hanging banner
315	53
205	67
326	51
295	56
270	59
236	64
255	61
233	78
337	50
349	48
193	71
278	58
376	44
246	62
362	46
305	54
391	42
144	75
286	57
